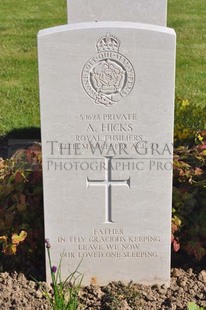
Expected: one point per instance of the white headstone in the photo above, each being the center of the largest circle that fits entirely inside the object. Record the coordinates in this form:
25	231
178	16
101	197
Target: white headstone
141	11
107	100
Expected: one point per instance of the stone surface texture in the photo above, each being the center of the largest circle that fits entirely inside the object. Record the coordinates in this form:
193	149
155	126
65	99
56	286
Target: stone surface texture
107	100
141	11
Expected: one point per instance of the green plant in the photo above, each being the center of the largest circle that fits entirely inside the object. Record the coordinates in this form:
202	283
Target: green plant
21	205
20	23
116	294
193	306
189	198
65	292
189	118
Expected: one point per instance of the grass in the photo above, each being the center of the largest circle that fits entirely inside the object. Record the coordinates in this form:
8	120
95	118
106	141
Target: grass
21	20
188	19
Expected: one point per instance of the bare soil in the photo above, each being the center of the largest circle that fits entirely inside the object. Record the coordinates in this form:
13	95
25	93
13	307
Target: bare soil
19	293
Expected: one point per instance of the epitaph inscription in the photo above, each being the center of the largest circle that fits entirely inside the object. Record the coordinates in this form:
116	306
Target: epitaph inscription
115	221
108	76
113	243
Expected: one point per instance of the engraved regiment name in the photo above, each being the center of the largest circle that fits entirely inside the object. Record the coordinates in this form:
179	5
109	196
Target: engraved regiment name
108	76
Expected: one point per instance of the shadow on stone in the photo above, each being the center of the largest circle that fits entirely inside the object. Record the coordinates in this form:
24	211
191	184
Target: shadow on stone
18	139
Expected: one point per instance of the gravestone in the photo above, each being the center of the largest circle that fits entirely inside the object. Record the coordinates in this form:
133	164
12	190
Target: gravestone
107	100
141	11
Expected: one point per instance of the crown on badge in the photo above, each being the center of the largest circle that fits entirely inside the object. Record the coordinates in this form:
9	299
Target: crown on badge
108	43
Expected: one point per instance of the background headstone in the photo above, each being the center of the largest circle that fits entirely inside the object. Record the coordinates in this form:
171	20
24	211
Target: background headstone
141	11
107	100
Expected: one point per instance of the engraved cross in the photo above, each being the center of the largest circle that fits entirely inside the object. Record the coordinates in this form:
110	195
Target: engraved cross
108	183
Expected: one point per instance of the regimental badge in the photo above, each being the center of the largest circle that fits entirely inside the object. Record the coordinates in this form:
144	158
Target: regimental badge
108	76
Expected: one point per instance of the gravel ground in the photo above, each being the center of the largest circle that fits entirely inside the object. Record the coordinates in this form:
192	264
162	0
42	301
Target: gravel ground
17	292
